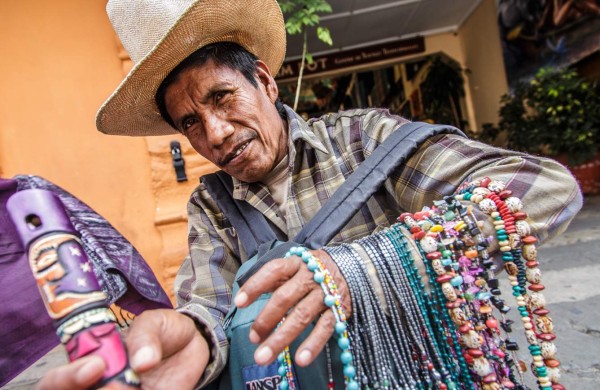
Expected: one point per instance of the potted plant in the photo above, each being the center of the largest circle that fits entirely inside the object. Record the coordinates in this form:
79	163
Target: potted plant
556	114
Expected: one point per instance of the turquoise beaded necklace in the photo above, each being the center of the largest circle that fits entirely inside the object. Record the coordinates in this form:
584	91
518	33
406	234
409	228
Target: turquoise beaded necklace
332	299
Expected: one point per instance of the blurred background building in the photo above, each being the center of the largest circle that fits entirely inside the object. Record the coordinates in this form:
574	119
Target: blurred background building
438	60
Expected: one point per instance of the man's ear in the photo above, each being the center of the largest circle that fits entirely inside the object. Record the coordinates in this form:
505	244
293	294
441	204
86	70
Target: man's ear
263	74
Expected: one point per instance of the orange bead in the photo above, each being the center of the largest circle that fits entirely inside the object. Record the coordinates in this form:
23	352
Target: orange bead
419	215
485	309
491	323
546	336
433	255
419	235
520	215
476	353
552	363
536	287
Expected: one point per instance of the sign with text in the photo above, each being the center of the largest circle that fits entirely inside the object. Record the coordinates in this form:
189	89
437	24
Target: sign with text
351	58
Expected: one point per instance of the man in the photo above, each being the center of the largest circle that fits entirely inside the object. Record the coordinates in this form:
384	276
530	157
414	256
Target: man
205	69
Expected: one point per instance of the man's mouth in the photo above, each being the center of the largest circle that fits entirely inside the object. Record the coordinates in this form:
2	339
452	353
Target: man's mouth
230	157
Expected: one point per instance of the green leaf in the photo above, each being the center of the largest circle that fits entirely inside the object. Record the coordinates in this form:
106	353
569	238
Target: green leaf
309	58
324	35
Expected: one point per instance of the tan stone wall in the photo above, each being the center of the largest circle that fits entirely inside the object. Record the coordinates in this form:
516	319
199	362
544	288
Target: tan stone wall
482	50
60	60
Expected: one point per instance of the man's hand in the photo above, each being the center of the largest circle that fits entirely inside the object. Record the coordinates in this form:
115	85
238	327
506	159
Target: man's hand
293	287
165	349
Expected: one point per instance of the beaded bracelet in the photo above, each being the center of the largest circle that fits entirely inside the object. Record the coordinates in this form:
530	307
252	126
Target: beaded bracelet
332	299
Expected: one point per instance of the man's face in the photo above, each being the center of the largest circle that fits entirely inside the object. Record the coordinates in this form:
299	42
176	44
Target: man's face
229	121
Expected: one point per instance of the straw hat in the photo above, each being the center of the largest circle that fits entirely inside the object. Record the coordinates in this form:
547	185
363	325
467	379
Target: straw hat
159	34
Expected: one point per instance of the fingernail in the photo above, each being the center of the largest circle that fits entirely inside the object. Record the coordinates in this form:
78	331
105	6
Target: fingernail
142	357
304	357
90	369
241	299
254	337
263	355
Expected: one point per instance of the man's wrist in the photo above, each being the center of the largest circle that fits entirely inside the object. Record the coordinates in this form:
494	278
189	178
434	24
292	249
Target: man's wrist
216	356
204	331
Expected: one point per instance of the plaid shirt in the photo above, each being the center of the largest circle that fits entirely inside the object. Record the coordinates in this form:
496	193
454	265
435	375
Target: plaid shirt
322	153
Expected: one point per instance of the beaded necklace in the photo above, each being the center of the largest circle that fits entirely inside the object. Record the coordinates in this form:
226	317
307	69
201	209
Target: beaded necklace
332	299
517	243
458	266
441	333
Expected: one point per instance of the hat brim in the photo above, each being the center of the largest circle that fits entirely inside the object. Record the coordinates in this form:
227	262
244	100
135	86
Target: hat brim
256	25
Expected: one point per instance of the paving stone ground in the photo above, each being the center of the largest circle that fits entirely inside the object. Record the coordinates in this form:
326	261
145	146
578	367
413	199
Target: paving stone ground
571	271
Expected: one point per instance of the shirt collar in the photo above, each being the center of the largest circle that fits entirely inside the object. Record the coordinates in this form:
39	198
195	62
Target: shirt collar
298	129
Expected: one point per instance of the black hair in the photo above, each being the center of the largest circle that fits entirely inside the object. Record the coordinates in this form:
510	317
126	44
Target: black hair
227	54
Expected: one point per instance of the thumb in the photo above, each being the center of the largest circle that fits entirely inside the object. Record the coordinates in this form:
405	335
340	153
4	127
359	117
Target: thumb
80	374
158	334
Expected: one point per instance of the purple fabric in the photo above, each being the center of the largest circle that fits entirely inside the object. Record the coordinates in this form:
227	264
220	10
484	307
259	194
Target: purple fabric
26	330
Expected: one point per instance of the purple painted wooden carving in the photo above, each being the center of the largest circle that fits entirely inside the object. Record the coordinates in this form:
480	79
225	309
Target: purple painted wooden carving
68	286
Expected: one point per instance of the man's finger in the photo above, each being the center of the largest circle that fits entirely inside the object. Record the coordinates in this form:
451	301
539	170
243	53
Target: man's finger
282	300
301	316
267	279
316	340
81	374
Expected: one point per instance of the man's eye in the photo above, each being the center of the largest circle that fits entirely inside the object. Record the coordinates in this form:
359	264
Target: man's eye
188	123
220	95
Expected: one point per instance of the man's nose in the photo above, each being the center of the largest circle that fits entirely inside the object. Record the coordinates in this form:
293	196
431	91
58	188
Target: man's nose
217	129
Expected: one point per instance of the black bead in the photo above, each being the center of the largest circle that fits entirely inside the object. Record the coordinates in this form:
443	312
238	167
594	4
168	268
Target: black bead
504	309
497	302
512	345
506	325
487	263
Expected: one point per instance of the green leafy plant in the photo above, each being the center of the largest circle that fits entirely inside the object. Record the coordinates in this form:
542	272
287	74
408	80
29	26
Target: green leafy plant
555	113
300	16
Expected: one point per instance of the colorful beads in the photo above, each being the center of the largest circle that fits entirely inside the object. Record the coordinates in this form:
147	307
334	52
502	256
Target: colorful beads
509	219
332	299
463	267
464	336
